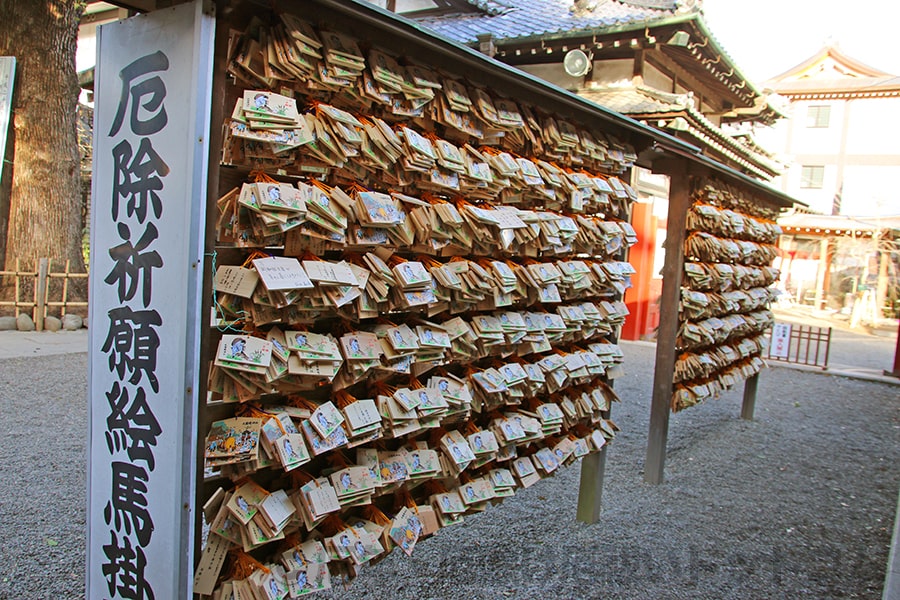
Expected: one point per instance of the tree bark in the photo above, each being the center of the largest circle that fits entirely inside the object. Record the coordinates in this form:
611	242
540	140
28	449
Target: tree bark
45	197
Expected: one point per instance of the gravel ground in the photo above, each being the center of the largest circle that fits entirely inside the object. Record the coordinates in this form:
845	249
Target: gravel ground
796	504
43	425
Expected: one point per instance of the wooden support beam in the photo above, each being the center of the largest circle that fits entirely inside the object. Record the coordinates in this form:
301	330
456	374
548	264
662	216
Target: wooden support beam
220	100
883	247
136	5
714	92
679	202
593	466
896	370
638	66
822	273
103	15
590	492
40	293
749	404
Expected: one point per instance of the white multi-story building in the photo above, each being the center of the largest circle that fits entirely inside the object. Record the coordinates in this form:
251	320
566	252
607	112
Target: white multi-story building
841	139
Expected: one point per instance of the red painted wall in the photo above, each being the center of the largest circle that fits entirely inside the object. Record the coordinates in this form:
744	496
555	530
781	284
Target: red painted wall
641	298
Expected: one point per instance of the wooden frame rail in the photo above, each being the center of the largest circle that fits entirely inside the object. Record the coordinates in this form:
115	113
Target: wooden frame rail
40	290
807	345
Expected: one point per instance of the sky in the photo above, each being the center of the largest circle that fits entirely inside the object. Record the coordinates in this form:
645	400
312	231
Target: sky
767	37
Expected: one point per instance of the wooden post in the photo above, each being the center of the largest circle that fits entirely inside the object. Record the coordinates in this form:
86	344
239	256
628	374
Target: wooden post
65	289
679	203
40	293
896	371
881	285
822	274
17	287
749	403
593	467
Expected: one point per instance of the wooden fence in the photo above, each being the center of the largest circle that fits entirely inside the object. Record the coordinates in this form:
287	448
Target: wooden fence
37	291
803	345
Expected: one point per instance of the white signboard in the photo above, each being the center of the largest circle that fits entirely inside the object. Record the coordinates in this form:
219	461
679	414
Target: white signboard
7	81
781	340
151	125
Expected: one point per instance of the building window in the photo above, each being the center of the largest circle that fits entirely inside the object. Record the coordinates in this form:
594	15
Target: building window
811	176
818	116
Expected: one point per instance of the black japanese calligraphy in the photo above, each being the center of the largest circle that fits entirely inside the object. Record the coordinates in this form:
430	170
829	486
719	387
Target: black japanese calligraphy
133	338
125	570
154	87
132	344
138	179
128	507
131	425
134	265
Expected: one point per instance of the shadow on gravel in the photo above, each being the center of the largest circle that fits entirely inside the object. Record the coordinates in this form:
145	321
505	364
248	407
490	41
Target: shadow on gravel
798	503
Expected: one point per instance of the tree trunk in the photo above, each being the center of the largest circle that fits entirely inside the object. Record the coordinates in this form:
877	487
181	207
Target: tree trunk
45	198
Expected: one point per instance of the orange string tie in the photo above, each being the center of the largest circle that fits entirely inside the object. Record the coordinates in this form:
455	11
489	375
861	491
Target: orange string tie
343	399
433	486
261	177
374	514
248	262
383	389
322	186
430	198
301	402
404	498
252	410
332	525
461	202
429	262
291	540
309	256
395	260
244	565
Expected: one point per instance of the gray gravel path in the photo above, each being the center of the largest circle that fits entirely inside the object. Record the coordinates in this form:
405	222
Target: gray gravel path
796	504
43	428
